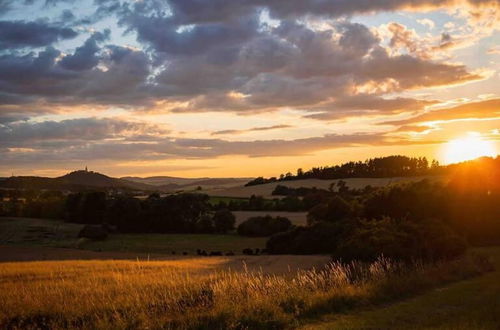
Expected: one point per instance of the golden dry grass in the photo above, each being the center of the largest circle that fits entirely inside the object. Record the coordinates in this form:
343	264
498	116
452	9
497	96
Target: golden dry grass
190	294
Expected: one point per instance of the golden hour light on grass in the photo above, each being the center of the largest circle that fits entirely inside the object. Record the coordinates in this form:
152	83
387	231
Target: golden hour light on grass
467	148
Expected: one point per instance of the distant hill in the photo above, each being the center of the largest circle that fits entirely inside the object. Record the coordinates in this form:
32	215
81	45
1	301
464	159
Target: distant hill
168	183
82	179
163	180
265	190
76	180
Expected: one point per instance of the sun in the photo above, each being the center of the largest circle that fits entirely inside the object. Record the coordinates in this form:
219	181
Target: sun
467	148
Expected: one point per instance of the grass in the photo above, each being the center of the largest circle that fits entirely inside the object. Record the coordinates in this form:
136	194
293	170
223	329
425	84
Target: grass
470	304
214	200
189	294
165	243
56	233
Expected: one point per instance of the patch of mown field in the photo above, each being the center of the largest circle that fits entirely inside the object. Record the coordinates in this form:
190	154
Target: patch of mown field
192	294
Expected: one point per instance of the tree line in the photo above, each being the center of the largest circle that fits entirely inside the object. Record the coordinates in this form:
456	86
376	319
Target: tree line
418	220
383	167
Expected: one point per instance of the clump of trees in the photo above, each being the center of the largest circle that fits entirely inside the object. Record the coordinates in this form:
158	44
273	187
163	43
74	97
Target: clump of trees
362	239
419	220
383	167
32	204
179	213
263	226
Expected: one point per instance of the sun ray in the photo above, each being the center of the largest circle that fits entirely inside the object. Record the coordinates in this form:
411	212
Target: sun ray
470	147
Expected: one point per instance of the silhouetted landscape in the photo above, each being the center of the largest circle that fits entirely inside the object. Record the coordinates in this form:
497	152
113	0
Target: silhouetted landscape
248	164
424	227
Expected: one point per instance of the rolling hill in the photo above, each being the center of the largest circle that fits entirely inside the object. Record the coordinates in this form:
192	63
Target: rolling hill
77	180
265	190
168	183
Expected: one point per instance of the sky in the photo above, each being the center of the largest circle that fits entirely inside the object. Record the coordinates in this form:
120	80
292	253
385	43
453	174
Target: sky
227	88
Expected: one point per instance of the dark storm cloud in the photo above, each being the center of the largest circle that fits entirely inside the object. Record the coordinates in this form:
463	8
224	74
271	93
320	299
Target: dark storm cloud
16	34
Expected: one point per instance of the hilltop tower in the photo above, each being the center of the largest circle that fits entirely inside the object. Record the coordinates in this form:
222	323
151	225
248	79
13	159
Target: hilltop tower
86	169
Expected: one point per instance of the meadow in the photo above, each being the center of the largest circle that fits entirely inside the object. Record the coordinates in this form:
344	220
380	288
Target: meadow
56	233
199	293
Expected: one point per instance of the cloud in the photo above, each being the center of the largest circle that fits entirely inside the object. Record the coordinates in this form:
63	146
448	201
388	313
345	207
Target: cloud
427	23
494	50
62	150
85	57
472	110
253	129
18	34
366	105
31	134
76	79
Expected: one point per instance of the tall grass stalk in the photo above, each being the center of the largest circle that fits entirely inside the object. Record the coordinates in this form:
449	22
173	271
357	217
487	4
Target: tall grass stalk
186	294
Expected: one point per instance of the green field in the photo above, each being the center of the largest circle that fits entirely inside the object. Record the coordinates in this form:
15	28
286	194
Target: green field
166	243
54	233
214	200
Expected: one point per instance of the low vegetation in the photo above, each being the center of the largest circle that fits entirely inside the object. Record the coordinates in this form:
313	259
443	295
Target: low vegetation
184	294
264	226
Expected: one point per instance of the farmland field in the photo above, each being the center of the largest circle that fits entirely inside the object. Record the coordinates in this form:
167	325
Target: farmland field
54	233
265	190
202	292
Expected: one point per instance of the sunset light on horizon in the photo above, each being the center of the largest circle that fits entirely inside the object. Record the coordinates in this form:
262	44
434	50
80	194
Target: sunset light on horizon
184	88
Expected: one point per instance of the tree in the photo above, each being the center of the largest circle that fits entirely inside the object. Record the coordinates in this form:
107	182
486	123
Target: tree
224	221
205	225
263	226
335	209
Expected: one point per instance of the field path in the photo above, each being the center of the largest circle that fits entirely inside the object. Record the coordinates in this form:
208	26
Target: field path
471	304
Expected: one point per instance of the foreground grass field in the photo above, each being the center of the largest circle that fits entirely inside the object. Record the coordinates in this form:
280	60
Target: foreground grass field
470	304
190	294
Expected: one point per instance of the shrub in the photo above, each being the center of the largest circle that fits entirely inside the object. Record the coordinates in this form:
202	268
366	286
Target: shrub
94	232
362	239
223	221
263	226
320	238
335	209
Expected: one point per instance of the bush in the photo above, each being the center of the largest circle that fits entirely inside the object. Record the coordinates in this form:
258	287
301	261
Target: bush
362	239
223	221
320	238
335	209
264	226
93	232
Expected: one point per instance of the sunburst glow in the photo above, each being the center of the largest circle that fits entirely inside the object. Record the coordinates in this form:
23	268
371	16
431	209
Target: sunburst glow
468	148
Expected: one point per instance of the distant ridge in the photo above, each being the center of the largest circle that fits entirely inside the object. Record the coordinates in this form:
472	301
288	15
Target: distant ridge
84	179
77	180
169	183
